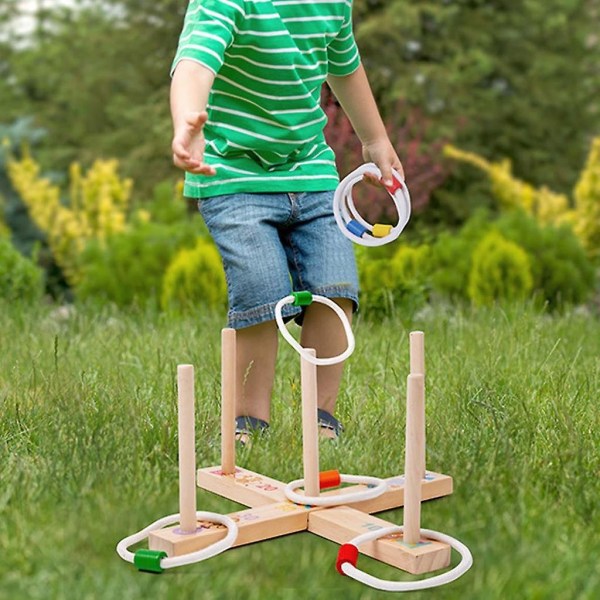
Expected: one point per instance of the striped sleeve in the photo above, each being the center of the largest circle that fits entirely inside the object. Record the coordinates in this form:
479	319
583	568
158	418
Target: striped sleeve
342	53
208	30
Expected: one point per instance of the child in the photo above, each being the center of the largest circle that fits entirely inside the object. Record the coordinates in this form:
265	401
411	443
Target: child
248	131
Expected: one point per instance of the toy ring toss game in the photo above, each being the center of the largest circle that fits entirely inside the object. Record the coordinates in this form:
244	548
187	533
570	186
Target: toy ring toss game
353	226
323	508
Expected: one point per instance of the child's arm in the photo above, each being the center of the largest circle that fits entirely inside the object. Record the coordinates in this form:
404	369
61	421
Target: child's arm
355	96
190	86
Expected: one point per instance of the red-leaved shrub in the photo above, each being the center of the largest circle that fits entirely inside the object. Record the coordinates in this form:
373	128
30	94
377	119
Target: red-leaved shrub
423	162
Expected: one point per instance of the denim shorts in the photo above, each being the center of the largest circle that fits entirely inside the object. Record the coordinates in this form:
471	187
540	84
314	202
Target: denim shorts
273	244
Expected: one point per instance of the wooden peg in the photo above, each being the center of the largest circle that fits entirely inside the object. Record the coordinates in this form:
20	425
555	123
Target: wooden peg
187	449
415	450
228	362
417	352
310	432
417	366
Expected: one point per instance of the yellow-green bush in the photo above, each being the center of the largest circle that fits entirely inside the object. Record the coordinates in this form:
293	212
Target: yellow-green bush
582	213
500	270
587	201
562	272
393	284
543	203
410	263
4	230
195	278
98	206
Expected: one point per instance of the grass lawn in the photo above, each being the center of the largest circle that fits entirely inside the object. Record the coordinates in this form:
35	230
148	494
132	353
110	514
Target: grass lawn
89	448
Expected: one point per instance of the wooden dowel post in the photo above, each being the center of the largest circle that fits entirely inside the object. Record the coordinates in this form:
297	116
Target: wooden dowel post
310	433
187	449
417	352
228	369
417	367
415	449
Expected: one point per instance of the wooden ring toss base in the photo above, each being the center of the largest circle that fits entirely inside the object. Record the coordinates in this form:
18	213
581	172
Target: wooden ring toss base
270	514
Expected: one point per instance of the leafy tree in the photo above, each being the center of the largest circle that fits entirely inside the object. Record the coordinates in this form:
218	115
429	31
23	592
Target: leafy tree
97	79
505	78
8	39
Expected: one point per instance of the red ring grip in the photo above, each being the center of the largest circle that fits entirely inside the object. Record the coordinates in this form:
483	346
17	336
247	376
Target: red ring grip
348	553
396	185
329	479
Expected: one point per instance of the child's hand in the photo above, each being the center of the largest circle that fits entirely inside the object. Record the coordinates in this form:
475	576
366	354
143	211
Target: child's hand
382	153
188	145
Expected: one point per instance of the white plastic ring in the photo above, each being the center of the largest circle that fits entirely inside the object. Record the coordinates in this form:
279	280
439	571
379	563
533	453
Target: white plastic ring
302	351
379	487
409	586
186	559
344	210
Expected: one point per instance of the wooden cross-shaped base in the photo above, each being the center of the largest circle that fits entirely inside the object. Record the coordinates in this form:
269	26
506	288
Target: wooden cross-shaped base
271	515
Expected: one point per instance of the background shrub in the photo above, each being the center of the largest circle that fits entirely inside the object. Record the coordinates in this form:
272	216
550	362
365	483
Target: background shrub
129	267
562	271
587	203
393	285
97	207
20	278
195	279
451	256
500	270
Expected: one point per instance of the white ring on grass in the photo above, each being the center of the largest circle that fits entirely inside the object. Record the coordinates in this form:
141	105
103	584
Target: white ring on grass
344	210
302	351
409	586
186	559
380	486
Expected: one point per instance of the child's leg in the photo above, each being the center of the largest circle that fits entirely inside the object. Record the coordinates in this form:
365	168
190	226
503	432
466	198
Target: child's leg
323	331
245	228
256	348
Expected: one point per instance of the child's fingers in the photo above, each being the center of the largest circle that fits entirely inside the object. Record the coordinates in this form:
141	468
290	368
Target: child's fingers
180	151
387	173
185	164
203	169
193	165
372	179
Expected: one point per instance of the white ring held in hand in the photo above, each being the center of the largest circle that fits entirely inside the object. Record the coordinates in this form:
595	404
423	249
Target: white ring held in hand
344	210
322	362
186	559
379	487
409	586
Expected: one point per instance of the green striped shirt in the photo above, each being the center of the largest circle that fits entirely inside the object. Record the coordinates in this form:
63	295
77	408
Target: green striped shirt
270	57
